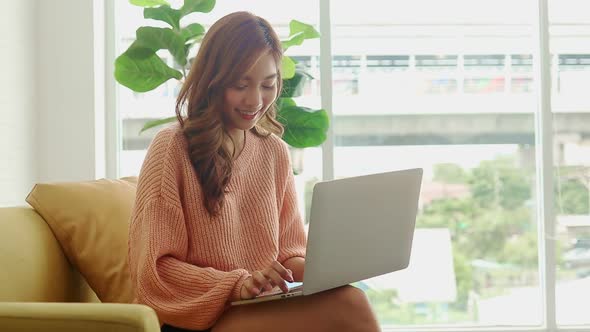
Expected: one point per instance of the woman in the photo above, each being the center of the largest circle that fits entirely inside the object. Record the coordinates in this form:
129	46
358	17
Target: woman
216	218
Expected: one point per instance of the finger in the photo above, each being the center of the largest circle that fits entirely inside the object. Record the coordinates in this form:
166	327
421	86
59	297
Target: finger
285	273
277	279
261	281
269	286
251	289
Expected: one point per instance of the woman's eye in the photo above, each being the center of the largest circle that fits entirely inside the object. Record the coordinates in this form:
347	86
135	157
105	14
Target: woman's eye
240	87
268	87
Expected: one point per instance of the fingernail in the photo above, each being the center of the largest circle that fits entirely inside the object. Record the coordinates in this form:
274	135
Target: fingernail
256	290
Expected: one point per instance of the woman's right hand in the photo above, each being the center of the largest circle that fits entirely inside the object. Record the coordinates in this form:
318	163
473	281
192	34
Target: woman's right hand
264	280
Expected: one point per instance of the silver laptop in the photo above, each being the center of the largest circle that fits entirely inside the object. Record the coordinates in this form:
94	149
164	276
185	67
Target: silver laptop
360	227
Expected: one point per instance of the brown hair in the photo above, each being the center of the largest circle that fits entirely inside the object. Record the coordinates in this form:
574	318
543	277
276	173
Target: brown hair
229	49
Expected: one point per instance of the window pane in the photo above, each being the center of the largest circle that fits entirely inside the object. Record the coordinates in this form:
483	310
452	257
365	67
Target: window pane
135	109
570	46
446	86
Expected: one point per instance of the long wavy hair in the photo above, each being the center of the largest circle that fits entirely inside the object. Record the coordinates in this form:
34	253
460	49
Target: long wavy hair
231	46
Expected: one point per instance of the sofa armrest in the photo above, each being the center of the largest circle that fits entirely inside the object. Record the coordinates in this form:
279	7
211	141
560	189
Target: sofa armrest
77	317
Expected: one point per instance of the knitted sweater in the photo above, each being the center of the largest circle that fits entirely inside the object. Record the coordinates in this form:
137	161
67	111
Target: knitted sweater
184	263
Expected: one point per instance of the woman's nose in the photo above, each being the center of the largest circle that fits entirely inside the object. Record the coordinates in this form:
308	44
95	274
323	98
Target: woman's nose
254	99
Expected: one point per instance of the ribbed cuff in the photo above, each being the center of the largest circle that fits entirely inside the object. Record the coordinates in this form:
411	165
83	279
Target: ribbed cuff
288	254
236	294
292	256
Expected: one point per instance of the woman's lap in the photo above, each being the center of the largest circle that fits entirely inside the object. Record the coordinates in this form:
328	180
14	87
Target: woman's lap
344	308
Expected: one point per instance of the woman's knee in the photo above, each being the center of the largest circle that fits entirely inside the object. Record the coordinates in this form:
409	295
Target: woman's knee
352	297
354	309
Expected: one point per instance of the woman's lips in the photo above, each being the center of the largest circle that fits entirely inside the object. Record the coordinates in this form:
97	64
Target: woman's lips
247	115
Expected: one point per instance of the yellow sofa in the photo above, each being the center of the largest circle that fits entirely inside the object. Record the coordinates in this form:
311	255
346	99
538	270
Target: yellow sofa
41	291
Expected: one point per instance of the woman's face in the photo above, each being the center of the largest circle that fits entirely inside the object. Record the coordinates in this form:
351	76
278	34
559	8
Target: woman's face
248	99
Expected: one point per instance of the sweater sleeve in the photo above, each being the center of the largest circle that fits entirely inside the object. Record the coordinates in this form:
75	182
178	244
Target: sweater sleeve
182	294
292	238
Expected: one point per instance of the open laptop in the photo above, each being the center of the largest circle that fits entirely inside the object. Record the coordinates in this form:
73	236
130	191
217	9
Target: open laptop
360	227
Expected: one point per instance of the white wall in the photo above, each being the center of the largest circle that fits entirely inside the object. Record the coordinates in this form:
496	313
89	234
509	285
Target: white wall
51	94
18	125
66	88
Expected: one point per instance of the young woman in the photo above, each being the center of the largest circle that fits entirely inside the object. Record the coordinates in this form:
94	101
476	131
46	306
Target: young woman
215	218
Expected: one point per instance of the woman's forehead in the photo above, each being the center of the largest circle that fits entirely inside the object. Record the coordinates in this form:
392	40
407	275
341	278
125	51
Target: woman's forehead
250	78
264	68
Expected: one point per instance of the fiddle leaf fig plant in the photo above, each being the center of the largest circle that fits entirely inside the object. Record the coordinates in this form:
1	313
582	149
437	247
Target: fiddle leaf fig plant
141	68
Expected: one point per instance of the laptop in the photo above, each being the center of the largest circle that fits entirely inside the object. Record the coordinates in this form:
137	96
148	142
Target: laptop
360	227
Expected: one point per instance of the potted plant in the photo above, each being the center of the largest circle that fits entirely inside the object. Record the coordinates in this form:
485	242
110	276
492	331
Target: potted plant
141	69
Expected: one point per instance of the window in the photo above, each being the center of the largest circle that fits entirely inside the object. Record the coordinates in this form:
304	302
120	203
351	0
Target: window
571	129
446	109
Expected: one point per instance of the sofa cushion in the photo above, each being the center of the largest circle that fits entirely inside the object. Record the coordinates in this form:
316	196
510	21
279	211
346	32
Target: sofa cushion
90	221
33	266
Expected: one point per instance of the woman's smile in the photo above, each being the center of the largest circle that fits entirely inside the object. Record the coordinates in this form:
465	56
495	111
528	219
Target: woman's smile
249	116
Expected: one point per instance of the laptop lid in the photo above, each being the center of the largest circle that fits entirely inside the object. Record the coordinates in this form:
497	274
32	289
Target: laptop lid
360	227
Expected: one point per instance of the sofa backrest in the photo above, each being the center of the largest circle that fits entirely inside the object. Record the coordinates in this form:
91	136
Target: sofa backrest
33	267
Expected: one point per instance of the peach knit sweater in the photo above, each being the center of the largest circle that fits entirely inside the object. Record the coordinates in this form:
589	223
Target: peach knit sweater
187	265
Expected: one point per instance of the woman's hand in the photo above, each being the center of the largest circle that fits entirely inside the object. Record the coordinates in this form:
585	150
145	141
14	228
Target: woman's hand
264	280
297	266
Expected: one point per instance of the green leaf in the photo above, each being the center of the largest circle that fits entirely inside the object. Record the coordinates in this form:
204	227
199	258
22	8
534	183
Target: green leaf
308	30
303	126
143	75
288	68
139	51
298	32
162	38
149	3
293	87
187	48
155	123
293	41
192	31
285	102
191	6
165	14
